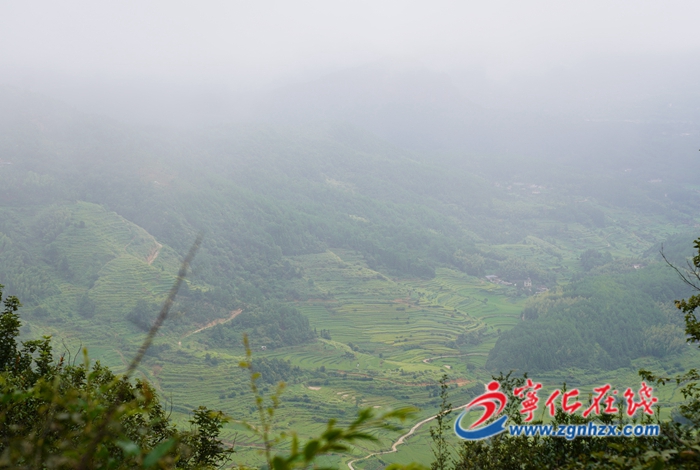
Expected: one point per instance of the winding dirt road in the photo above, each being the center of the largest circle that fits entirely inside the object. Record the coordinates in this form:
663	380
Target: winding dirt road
154	253
430	359
218	321
399	441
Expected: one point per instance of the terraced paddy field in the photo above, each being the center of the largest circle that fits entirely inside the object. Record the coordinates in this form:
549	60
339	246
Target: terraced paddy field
389	345
403	320
307	403
468	295
390	339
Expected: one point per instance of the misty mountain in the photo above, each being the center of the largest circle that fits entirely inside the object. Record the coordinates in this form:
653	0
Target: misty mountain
267	191
605	115
427	111
411	108
396	201
397	255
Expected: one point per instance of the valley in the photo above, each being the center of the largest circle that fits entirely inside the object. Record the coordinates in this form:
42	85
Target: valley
359	272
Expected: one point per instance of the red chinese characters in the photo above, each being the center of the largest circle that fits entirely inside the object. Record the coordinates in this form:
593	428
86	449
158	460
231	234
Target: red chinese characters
566	405
646	400
570	408
550	402
529	404
598	399
604	400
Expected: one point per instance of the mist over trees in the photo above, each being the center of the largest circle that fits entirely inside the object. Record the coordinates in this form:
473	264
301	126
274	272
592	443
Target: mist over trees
385	193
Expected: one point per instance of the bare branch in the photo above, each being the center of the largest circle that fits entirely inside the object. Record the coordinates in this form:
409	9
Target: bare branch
680	274
692	269
102	428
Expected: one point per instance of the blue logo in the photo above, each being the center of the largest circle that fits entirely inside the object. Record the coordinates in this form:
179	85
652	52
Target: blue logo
493	401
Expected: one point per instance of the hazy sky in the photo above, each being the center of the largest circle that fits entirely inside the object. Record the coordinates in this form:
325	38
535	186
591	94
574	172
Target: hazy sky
426	75
248	43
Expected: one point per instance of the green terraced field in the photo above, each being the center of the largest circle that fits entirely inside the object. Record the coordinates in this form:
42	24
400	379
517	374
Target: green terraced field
400	329
391	338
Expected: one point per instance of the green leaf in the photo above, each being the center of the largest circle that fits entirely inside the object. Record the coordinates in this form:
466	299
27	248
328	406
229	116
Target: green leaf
311	449
158	452
130	448
658	465
278	463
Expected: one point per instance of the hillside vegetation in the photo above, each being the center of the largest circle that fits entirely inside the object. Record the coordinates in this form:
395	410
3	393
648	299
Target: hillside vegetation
357	269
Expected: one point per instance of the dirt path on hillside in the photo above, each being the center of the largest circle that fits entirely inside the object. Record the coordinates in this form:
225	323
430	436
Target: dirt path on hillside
154	253
459	382
218	321
399	441
430	359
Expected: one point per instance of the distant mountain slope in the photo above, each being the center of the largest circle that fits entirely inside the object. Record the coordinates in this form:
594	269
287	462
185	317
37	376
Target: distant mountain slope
610	120
598	323
360	262
263	194
55	256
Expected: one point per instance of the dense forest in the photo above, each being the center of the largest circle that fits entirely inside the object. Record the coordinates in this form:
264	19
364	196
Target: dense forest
601	321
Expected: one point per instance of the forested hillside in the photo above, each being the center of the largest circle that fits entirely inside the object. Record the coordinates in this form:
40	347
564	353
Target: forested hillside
599	322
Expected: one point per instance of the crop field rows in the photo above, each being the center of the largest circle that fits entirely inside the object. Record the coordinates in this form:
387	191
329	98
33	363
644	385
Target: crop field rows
390	337
305	407
107	255
123	276
97	231
482	301
630	238
399	328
